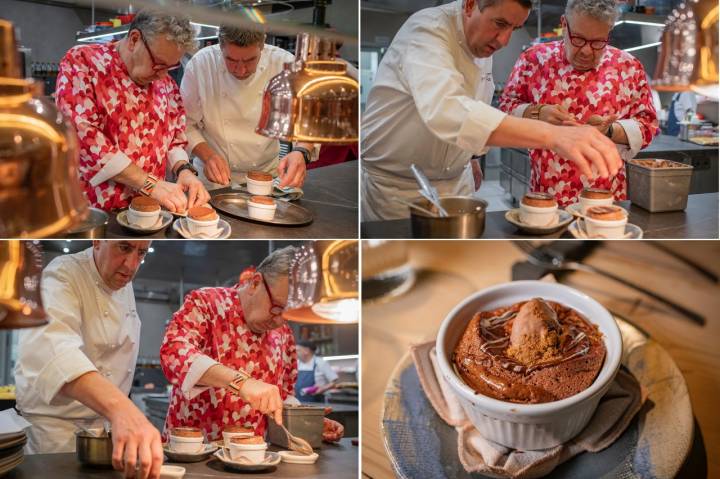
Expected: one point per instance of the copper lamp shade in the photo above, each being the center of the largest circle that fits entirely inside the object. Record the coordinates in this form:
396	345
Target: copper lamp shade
689	53
313	99
323	285
20	272
40	194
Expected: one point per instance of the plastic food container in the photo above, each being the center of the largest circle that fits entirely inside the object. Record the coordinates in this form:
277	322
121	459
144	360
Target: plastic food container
655	187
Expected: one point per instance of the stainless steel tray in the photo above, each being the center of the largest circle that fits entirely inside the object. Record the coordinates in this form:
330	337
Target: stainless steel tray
286	214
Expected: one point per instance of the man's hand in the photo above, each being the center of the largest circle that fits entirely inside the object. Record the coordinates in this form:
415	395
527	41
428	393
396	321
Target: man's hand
136	443
555	114
217	169
263	397
602	124
292	170
332	430
170	196
197	195
586	147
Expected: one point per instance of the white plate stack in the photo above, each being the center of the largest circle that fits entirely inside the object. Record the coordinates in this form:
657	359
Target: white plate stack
11	450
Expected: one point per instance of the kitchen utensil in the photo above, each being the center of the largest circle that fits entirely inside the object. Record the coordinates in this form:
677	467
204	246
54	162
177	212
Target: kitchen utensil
93	450
303	421
295	443
414	206
466	218
429	191
555	262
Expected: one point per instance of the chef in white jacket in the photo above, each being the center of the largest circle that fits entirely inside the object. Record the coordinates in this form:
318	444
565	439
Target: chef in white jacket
222	90
430	105
76	371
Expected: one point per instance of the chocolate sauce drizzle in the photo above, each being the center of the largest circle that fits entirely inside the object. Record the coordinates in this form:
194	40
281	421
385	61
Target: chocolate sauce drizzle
496	339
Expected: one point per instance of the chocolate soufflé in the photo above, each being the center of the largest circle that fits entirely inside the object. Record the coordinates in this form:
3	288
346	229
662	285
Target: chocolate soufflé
539	200
606	213
145	203
202	213
534	351
248	440
263	200
186	432
259	176
596	194
238	430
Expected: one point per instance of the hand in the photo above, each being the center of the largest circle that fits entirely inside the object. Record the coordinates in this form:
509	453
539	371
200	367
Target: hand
217	169
332	430
170	196
587	148
477	172
602	124
292	170
555	114
197	195
136	442
263	397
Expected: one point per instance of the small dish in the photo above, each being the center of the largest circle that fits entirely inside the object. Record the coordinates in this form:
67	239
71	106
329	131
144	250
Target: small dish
578	230
181	228
171	472
162	222
564	219
175	456
272	459
293	457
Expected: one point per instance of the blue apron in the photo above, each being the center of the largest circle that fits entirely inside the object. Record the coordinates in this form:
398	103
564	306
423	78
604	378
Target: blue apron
672	126
306	379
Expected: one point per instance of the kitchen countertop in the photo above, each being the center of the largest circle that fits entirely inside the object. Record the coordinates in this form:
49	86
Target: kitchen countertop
338	461
330	193
667	143
448	271
699	221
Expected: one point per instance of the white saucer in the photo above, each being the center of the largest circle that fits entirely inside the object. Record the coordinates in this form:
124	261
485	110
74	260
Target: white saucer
163	221
564	218
181	227
271	459
294	457
175	456
577	229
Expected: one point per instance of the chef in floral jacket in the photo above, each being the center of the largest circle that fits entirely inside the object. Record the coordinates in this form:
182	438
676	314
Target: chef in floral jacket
230	355
129	116
582	80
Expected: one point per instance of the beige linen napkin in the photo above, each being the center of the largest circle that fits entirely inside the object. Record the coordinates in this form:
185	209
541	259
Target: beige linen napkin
477	454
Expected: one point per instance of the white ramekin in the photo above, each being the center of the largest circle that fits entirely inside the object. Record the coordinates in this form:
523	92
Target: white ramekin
171	472
187	445
528	426
208	228
613	229
538	216
229	435
260	188
260	211
586	203
142	219
255	453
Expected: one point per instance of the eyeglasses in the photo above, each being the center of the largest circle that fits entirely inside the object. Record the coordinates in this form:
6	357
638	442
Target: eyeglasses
157	66
579	42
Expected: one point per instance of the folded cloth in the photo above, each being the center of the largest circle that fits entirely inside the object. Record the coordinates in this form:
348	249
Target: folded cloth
615	411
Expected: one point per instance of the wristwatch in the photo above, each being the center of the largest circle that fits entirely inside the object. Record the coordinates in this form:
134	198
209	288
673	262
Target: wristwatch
149	184
609	132
305	153
186	166
240	377
535	114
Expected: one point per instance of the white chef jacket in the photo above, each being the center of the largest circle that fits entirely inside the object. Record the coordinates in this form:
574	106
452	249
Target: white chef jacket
324	373
224	111
429	105
91	328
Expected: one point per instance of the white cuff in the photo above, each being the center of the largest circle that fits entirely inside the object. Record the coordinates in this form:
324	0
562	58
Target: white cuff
62	369
519	111
194	138
176	155
114	164
200	364
634	135
291	401
479	124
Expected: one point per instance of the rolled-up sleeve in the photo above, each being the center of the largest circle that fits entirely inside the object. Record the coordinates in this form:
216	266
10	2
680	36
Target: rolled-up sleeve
52	355
183	355
640	123
439	92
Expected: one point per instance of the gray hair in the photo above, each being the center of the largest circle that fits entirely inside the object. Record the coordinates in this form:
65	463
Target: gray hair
240	37
277	264
175	28
603	10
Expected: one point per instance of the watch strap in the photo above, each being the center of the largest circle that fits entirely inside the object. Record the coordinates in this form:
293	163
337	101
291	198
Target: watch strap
186	166
305	153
